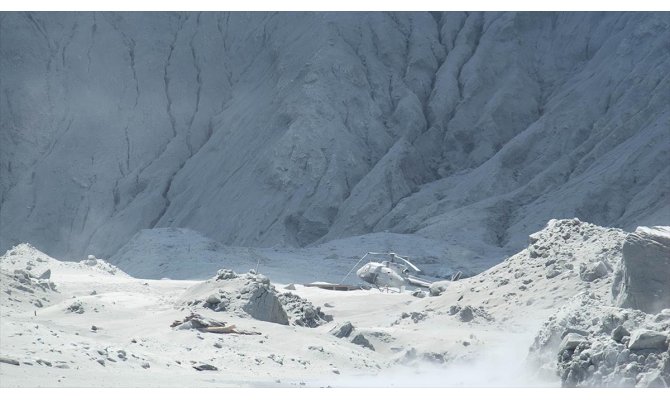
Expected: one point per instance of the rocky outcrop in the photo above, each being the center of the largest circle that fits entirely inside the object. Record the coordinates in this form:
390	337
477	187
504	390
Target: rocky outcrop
263	304
302	312
644	278
252	294
589	344
343	330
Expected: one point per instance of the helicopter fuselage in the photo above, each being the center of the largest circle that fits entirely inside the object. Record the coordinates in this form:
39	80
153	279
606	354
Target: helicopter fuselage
383	274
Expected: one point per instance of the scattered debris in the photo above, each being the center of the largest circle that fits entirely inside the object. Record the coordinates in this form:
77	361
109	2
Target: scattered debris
205	367
361	340
76	307
9	361
202	324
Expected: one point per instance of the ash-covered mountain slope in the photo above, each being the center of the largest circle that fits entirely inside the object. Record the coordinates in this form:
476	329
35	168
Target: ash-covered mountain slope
268	129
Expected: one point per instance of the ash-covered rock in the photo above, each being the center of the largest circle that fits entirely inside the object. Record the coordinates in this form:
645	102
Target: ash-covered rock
439	287
643	280
302	312
25	281
248	294
469	313
645	339
76	307
195	321
590	273
260	301
466	314
21	286
225	274
102	265
253	295
361	340
343	330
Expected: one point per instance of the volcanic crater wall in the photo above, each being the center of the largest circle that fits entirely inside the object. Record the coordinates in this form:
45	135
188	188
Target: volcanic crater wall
266	129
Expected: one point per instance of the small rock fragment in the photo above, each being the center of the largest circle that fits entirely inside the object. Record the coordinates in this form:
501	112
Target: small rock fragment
362	341
619	332
590	273
9	361
205	367
343	330
571	341
466	314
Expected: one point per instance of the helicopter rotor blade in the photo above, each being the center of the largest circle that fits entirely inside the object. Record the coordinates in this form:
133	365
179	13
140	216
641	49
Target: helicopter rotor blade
354	267
409	263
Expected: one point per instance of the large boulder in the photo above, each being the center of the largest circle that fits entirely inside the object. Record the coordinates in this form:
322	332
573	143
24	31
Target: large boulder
362	341
644	339
263	304
644	278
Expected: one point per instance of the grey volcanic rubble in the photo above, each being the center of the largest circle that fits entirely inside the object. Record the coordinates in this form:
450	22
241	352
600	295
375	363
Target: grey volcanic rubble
618	338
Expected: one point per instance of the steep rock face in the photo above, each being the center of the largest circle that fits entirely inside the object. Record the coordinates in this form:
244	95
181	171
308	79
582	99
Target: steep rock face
644	278
294	128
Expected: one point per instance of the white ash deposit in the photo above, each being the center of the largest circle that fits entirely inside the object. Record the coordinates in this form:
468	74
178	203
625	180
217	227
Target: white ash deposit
559	298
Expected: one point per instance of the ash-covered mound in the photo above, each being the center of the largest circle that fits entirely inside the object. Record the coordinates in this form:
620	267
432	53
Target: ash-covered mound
24	277
592	342
604	346
565	258
21	286
253	295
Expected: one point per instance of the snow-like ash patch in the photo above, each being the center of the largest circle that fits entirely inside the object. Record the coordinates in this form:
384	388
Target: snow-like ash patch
253	295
